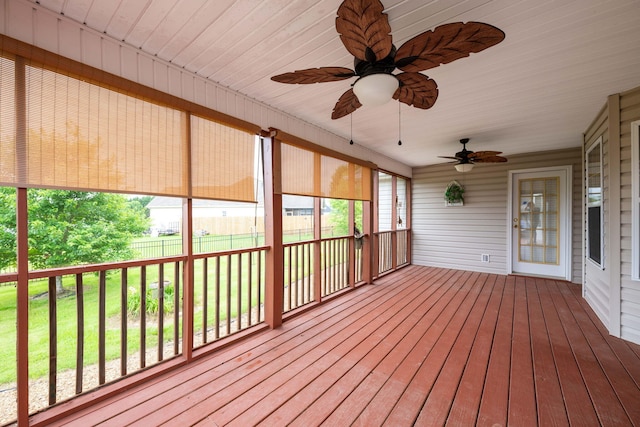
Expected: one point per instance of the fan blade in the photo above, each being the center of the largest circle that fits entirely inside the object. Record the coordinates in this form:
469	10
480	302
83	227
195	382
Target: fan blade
347	104
315	75
445	44
480	154
491	159
416	89
450	157
364	29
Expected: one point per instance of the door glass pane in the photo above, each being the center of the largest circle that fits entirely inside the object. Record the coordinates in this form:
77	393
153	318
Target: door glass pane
538	225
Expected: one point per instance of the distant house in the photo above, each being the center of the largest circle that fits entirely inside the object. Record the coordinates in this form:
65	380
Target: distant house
218	216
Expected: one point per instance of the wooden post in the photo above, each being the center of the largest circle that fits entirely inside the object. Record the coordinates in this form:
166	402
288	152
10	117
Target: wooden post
22	308
352	245
367	244
22	249
187	281
317	249
274	268
394	222
374	227
407	220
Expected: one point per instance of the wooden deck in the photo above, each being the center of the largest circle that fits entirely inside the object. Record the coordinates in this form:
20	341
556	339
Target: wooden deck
422	346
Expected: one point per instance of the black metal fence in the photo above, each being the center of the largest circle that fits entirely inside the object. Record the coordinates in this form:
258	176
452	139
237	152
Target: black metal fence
172	245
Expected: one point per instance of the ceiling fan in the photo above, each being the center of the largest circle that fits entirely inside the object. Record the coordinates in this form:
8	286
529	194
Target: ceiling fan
466	158
365	31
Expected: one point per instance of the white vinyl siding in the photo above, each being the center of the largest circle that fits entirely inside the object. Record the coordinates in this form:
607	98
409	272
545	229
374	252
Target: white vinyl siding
613	293
596	288
385	204
458	236
629	288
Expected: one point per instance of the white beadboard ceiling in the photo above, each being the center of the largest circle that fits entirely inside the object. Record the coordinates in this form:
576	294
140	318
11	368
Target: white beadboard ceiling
537	90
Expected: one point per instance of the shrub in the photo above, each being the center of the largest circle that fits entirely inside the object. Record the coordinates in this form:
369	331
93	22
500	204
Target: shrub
151	301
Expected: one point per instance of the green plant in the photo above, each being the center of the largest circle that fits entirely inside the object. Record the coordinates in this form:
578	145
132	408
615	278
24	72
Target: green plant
454	193
151	301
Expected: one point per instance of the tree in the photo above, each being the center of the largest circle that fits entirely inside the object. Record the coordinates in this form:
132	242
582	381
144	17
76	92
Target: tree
74	227
143	201
340	216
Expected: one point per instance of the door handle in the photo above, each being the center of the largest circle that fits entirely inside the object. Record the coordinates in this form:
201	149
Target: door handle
515	222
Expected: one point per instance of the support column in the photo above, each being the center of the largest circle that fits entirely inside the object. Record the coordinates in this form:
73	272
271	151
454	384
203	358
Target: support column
317	249
187	280
274	268
374	226
352	245
22	248
394	222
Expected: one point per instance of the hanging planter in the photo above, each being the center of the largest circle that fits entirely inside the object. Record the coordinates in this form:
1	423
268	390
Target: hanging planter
454	194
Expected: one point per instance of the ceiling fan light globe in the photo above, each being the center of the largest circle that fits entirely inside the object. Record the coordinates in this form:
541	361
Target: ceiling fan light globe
464	167
375	89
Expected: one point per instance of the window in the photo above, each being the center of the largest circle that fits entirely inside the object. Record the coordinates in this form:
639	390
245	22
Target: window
635	199
594	202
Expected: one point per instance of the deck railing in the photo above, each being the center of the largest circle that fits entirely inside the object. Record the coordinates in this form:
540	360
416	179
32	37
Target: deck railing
385	251
334	261
104	321
393	249
299	286
229	293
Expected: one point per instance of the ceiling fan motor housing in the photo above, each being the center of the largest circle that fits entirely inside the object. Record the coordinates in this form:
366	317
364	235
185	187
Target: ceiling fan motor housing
384	66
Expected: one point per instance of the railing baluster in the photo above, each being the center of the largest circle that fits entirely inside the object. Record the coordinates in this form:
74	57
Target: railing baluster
305	297
79	333
259	255
326	254
239	294
288	278
309	251
160	312
53	340
143	316
296	273
217	296
249	288
176	308
334	266
228	294
123	321
102	320
205	305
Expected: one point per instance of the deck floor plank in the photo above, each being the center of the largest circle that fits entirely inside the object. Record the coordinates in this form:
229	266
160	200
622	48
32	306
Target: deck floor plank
386	349
329	399
385	399
309	348
551	408
465	405
494	402
522	392
618	395
353	353
347	408
412	400
577	401
423	346
438	404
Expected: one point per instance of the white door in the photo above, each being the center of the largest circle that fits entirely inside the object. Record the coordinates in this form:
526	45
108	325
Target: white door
540	222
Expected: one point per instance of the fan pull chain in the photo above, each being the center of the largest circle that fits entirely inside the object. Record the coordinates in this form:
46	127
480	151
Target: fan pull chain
351	140
399	124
